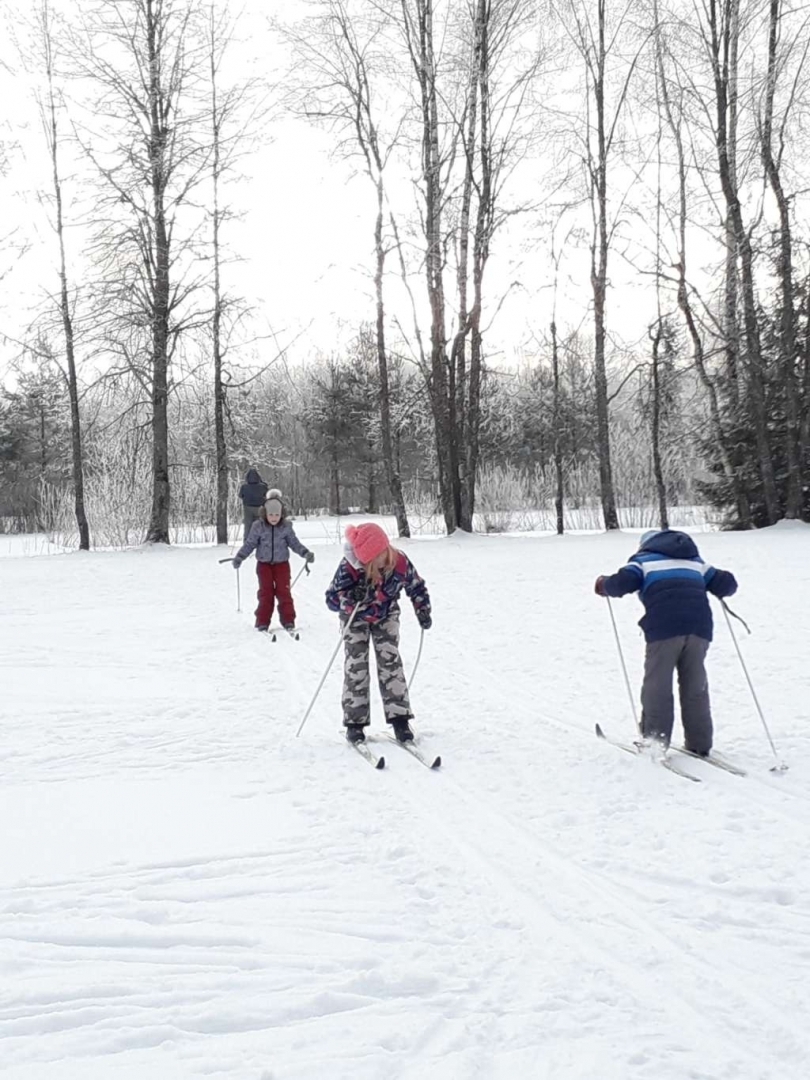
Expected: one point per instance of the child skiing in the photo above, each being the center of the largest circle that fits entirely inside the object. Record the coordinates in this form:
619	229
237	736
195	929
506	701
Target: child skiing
273	537
370	578
673	581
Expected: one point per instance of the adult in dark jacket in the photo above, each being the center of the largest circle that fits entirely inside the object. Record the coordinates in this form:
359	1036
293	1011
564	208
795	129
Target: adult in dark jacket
674	582
272	537
252	493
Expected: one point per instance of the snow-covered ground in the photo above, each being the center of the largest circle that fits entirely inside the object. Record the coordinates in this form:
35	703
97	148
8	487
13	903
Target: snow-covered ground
187	890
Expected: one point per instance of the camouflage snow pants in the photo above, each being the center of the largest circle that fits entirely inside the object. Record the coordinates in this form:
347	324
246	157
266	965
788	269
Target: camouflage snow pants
390	674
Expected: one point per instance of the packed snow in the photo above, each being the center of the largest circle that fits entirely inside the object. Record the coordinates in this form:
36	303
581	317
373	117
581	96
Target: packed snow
188	890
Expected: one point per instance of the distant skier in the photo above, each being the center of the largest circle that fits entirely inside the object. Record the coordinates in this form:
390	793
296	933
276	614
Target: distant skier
371	575
673	582
252	493
273	537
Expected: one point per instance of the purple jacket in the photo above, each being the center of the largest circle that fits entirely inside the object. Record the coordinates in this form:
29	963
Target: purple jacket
381	599
272	543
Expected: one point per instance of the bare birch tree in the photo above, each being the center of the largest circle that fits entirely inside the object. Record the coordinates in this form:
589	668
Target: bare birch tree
341	59
235	108
719	22
419	26
671	97
601	33
145	137
502	68
787	50
51	107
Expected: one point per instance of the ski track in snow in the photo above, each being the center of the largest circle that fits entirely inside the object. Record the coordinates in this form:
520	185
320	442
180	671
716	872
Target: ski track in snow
187	890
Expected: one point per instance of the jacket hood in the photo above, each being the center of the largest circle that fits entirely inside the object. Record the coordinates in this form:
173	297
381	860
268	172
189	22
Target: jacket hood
670	542
252	477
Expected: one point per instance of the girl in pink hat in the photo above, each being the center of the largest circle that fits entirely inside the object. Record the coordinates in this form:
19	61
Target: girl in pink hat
371	576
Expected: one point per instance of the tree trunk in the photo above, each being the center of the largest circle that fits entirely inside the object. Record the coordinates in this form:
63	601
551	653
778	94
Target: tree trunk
392	473
793	462
221	449
459	389
481	239
732	474
731	320
158	531
371	483
424	61
558	460
658	470
334	481
64	297
599	264
754	360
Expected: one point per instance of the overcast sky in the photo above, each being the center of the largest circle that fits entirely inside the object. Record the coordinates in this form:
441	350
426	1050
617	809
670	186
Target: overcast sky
306	234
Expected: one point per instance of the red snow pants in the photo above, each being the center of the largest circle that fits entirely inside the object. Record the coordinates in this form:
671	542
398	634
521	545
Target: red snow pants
274	586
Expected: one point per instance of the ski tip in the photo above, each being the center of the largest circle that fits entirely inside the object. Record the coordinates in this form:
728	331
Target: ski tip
437	763
599	733
380	763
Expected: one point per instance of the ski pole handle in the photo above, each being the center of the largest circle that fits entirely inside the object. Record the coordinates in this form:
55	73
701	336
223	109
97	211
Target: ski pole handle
221	561
328	668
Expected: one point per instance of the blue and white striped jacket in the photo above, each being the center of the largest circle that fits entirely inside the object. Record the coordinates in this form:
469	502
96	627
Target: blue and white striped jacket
673	582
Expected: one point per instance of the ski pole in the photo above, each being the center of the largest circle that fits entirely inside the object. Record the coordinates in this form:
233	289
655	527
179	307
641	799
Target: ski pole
418	654
624	666
343	634
238	590
780	766
298	575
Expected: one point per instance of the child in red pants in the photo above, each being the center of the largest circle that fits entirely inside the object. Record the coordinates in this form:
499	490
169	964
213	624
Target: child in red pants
273	537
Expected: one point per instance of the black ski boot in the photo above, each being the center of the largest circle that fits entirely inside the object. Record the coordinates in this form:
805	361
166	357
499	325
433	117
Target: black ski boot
402	729
356	733
262	629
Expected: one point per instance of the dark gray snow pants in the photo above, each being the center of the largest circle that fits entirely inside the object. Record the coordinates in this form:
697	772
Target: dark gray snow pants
249	515
687	655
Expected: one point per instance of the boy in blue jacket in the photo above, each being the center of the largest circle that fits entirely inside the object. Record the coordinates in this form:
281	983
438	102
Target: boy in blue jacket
673	581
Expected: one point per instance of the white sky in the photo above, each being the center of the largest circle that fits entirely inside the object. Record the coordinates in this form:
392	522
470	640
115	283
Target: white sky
306	239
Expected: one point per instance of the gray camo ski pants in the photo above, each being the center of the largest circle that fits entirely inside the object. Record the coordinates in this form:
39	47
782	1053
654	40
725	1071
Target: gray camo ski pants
356	674
686	655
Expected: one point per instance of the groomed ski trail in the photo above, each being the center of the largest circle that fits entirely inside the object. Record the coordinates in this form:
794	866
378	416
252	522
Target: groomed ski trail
579	919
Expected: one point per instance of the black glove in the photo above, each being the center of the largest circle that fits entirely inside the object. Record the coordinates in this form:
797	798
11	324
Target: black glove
237	563
309	557
599	586
425	621
359	592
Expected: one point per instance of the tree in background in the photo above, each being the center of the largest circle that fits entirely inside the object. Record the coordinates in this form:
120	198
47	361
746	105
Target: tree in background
51	104
147	140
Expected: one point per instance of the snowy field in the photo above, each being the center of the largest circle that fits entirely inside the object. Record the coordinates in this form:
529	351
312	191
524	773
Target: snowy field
187	890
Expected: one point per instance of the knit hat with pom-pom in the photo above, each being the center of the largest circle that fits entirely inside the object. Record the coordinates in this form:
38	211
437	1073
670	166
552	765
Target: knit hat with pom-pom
367	540
273	503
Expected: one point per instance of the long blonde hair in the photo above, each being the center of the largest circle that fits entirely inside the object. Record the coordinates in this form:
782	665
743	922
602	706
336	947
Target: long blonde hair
373	574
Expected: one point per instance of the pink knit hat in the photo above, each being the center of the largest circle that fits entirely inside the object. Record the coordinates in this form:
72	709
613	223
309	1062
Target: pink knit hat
367	540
